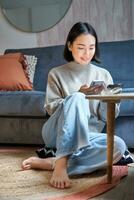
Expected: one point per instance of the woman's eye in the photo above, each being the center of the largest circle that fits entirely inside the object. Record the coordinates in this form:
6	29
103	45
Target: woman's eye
80	48
91	48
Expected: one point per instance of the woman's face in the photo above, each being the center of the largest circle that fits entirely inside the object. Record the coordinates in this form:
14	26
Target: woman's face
83	48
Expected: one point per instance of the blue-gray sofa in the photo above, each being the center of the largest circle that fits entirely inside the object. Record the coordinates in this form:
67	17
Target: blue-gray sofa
22	114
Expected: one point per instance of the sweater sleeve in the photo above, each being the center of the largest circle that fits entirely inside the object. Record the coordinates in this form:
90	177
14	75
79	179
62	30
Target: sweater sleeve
53	94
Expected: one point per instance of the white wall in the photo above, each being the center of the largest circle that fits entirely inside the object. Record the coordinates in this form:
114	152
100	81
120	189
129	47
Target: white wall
11	37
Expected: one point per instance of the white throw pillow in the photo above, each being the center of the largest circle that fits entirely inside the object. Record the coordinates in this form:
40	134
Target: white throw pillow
31	62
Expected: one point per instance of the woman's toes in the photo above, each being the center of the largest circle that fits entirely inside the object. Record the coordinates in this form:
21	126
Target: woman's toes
62	185
26	164
26	167
54	183
67	184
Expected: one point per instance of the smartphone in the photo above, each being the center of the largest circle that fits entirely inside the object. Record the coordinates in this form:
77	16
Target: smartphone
115	88
116	85
97	83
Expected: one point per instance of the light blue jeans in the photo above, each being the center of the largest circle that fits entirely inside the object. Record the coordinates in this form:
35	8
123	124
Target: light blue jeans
68	130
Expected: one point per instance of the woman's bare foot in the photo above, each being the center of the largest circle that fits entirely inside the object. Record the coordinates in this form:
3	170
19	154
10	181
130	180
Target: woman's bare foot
37	163
60	177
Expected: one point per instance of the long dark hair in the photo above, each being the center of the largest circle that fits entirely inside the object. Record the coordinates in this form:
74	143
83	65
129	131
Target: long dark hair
78	29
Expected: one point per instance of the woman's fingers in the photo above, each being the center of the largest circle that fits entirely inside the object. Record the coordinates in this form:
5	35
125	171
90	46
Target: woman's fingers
95	89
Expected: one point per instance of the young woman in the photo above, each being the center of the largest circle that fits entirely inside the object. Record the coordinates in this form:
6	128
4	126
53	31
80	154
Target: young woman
75	123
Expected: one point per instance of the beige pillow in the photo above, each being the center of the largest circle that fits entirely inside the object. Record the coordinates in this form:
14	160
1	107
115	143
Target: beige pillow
31	62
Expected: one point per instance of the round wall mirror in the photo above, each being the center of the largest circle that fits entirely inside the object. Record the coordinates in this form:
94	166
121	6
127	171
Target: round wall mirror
34	15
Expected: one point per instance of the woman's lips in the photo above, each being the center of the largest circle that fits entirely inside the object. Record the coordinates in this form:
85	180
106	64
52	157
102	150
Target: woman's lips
85	59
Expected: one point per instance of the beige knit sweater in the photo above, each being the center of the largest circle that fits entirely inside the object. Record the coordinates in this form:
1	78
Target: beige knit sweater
67	79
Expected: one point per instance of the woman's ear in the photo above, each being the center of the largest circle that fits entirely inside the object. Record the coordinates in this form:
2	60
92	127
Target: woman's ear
69	46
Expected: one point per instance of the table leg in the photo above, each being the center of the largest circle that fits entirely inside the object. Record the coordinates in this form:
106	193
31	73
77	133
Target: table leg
110	138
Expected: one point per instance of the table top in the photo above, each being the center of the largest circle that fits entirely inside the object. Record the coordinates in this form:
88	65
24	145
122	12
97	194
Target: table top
112	97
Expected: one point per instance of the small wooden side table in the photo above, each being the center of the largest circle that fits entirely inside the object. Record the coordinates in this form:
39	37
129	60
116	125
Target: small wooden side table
111	101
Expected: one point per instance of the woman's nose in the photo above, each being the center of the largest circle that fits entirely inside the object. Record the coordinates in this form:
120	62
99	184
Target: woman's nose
87	52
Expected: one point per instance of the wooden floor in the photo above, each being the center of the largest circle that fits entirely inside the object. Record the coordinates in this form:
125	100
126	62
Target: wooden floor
123	191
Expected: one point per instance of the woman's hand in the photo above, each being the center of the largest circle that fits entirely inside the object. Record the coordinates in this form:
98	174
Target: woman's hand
96	89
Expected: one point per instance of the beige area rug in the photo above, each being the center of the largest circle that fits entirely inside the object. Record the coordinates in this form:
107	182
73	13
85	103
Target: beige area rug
16	184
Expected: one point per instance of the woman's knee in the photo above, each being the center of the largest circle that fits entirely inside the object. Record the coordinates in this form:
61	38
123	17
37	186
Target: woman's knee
76	99
119	145
77	95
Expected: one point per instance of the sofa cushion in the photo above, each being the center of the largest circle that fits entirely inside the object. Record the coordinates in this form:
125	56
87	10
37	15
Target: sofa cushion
22	103
12	74
117	57
127	108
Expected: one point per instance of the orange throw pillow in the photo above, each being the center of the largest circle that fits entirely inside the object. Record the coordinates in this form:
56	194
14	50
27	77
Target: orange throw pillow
12	74
18	56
